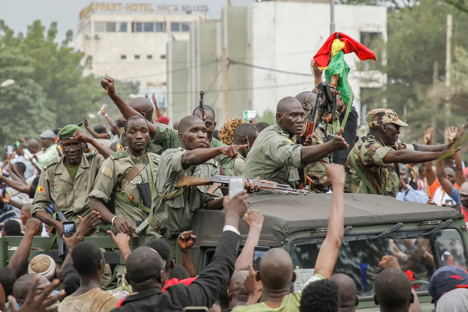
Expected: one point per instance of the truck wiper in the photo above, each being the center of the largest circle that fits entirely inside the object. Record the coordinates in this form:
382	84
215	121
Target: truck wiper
440	227
435	230
394	228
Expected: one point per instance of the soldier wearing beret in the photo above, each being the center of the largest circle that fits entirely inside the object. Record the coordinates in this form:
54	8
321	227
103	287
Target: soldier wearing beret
66	182
127	178
371	167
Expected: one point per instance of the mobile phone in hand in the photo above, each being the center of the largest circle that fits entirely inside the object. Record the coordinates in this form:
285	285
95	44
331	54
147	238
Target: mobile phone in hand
259	252
69	228
236	185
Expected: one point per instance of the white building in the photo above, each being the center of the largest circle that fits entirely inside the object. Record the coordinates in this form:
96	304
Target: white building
286	35
278	35
128	42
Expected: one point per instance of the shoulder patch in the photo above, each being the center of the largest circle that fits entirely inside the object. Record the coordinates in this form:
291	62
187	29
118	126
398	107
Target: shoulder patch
154	157
107	171
287	140
39	189
119	154
52	162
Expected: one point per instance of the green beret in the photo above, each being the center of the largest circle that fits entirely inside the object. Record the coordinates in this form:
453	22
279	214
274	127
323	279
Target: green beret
68	131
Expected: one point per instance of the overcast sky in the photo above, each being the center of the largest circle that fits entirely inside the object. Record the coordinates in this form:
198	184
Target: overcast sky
18	14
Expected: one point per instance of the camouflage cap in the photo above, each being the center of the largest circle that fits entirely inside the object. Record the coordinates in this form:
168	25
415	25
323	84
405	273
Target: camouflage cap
380	116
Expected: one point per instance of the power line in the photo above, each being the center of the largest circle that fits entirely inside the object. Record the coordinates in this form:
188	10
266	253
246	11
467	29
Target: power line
172	71
269	69
244	89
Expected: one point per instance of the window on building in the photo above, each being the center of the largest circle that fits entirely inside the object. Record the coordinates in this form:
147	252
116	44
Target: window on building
99	26
180	26
175	27
110	27
163	56
137	27
185	27
149	57
121	26
137	56
160	27
148	27
123	57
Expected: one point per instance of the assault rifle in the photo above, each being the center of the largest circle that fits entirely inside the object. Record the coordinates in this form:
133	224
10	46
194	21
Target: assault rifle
202	109
60	217
223	182
314	117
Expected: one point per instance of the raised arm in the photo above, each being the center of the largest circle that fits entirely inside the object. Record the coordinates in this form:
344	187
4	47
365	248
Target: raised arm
158	112
23	188
124	108
20	258
205	290
94	133
330	249
409	156
254	220
186	241
316	72
80	136
310	154
201	155
122	241
442	177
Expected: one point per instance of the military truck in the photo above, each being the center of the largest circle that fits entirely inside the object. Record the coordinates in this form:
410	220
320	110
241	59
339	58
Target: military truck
423	237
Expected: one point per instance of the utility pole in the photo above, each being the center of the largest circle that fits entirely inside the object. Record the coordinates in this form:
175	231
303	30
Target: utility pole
224	84
434	100
224	64
332	16
448	62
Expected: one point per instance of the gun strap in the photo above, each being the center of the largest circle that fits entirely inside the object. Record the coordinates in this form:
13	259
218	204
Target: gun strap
53	240
132	173
172	194
361	174
121	197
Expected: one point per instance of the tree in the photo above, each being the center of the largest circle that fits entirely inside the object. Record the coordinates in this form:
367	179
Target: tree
22	105
416	39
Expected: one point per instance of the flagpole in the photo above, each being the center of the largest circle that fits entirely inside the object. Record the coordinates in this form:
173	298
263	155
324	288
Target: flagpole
332	16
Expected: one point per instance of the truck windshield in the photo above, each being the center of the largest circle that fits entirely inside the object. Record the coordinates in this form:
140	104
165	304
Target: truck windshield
359	257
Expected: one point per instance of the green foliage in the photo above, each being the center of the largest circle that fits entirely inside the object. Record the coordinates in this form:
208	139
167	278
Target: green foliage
50	89
416	40
268	117
22	105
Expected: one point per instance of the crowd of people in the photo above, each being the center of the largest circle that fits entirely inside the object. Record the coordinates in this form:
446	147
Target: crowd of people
122	183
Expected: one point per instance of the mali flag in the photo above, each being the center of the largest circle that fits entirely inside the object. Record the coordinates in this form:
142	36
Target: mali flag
330	57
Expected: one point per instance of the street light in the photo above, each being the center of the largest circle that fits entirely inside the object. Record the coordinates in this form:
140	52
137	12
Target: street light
7	83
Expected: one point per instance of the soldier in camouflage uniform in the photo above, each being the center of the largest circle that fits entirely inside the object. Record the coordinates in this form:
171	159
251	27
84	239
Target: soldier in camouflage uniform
276	157
123	178
164	137
174	208
66	182
371	167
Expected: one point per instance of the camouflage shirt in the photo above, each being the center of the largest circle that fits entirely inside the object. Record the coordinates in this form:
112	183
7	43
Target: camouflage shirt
369	154
317	170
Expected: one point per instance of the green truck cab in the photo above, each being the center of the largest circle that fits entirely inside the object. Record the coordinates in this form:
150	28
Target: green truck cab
423	237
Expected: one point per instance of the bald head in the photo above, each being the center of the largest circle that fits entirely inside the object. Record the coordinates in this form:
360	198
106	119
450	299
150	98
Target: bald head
238	295
276	270
347	292
187	122
144	264
450	173
286	104
143	106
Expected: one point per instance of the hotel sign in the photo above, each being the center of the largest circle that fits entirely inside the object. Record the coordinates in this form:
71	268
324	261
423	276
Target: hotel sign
141	8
